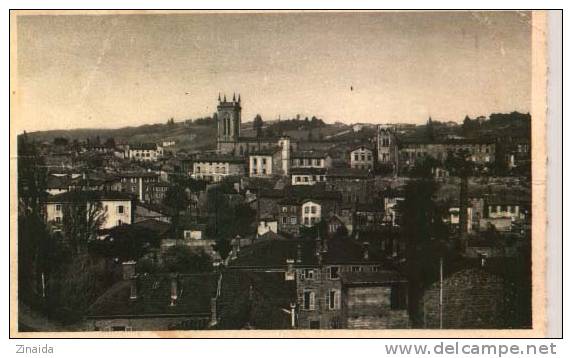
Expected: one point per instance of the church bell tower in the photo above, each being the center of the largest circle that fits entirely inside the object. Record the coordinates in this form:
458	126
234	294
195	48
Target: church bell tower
228	113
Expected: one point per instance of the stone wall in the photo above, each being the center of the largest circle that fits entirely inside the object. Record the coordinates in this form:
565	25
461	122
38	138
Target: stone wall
472	298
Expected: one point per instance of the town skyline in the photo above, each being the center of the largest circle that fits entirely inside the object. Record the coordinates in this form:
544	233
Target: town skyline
388	68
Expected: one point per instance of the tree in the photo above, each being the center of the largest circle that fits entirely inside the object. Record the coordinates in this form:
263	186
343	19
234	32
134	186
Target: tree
176	198
257	125
430	130
181	259
61	141
227	220
424	234
82	218
110	142
32	177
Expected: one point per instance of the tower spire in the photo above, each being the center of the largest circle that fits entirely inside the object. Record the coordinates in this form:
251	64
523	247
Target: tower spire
239	98
234	97
219	96
225	97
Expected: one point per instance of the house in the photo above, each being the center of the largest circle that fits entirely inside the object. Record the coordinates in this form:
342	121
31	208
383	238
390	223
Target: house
367	217
145	302
289	206
311	213
114	207
314	267
355	185
310	159
361	157
265	163
135	183
374	300
145	152
307	176
266	225
57	184
146	211
155	192
216	167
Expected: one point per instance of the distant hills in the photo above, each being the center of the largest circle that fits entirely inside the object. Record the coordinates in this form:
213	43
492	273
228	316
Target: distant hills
200	134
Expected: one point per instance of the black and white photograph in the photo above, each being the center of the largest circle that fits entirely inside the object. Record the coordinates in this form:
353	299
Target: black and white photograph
188	173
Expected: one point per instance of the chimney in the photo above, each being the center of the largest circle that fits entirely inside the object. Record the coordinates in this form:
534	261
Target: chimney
318	246
174	289
366	250
129	269
290	274
483	258
299	254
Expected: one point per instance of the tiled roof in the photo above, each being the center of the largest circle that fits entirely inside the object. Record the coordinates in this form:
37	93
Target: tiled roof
154	297
308	171
143	146
274	253
216	158
309	154
371	278
74	196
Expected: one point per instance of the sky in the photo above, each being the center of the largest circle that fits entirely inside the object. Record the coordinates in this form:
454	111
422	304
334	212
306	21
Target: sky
110	71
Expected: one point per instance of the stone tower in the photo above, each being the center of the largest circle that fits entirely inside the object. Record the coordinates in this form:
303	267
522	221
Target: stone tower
228	126
387	151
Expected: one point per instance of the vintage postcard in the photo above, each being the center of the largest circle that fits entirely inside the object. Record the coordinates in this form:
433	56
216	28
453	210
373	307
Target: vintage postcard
278	173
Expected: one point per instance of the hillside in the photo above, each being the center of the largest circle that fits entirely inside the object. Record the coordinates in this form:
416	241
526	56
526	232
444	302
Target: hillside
187	136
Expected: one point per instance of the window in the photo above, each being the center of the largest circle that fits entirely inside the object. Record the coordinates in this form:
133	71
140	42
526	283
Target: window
333	272
293	220
308	274
356	157
119	222
356	269
308	301
263	161
120	209
263	170
313	208
187	234
284	220
58	207
513	209
307	210
297	179
254	161
58	219
398	297
254	171
284	209
333	300
306	221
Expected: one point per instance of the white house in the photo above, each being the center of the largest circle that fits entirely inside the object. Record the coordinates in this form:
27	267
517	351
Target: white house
307	176
264	163
311	213
146	152
266	225
217	167
117	208
361	157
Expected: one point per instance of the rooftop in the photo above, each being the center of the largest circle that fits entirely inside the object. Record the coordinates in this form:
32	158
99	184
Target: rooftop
154	297
76	196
